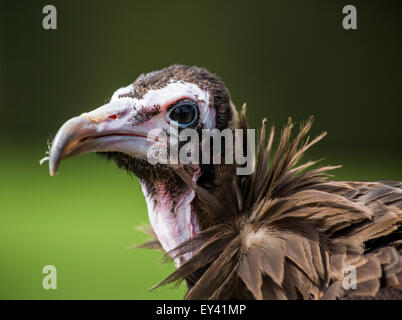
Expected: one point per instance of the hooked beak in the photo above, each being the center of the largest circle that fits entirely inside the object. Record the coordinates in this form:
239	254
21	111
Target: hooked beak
107	129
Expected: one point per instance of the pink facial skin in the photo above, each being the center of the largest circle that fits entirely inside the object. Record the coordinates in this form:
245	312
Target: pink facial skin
173	224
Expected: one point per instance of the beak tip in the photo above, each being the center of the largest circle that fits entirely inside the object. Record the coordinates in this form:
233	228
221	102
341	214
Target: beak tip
53	167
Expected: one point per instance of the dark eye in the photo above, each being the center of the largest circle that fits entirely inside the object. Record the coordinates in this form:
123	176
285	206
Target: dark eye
184	113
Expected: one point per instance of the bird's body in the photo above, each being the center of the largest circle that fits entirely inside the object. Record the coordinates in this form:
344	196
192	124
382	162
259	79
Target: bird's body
282	232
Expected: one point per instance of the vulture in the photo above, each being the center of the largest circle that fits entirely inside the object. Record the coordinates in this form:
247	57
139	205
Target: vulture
283	231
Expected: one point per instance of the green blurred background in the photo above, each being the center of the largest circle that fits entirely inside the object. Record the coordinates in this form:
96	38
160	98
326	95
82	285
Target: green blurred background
284	58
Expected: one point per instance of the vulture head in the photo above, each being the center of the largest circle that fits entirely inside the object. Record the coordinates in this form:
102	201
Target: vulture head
284	231
175	97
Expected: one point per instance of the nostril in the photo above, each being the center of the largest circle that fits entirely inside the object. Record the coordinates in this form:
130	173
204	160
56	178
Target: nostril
113	116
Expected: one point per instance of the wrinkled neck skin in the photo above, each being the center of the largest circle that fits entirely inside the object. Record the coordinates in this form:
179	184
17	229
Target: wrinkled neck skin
172	215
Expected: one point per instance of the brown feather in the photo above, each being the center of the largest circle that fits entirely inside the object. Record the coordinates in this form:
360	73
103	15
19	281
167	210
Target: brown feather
286	232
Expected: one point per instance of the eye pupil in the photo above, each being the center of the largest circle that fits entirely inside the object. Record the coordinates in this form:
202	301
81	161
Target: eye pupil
184	113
